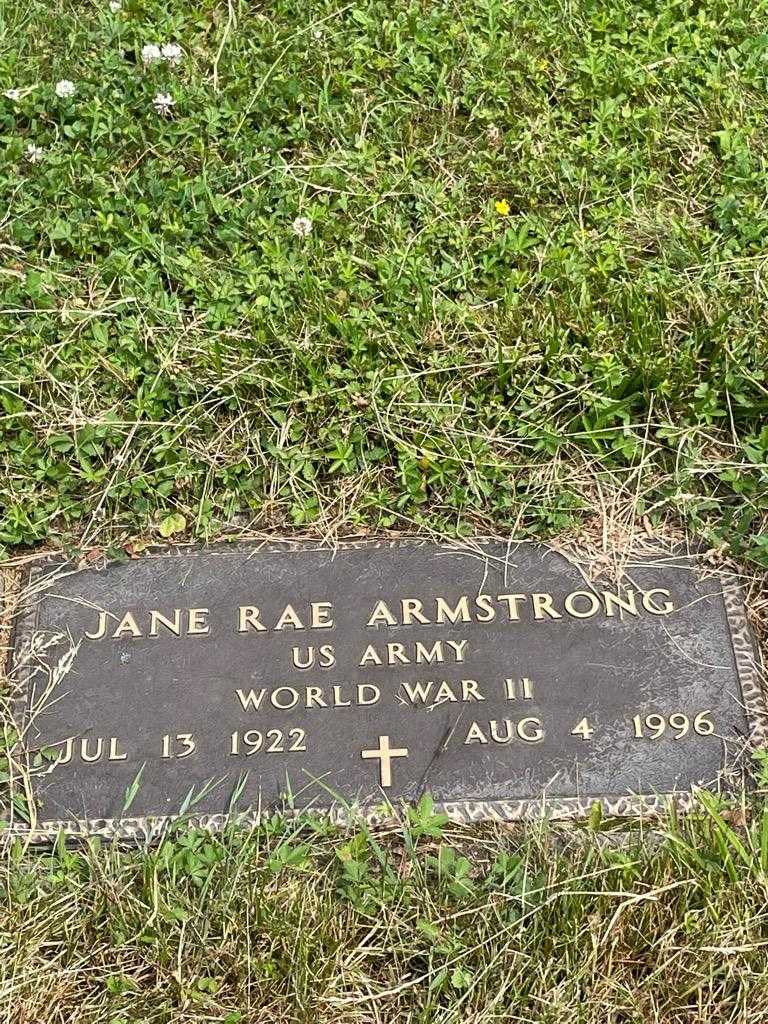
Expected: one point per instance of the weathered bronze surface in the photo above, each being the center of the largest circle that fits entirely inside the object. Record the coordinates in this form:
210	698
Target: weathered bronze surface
491	676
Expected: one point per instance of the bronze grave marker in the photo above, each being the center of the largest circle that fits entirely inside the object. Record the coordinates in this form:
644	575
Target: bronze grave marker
492	676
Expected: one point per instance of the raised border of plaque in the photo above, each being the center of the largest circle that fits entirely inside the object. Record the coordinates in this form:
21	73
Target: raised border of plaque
746	659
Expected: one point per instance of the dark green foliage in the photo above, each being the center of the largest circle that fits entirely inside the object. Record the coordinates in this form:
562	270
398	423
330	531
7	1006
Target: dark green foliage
421	359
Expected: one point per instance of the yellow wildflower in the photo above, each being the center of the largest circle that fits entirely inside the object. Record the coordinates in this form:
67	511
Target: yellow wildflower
502	207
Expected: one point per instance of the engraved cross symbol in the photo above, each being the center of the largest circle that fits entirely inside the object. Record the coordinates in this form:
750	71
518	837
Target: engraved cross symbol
385	753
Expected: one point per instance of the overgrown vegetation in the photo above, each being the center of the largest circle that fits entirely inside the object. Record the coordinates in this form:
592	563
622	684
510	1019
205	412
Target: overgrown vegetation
525	287
412	923
533	284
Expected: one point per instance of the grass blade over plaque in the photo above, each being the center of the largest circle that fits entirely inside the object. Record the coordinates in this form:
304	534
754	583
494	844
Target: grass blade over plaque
132	790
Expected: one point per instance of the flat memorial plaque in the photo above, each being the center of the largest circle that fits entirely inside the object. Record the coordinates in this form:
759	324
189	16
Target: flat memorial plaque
491	676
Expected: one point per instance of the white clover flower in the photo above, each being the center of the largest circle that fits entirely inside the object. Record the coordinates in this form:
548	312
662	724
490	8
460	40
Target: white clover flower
115	6
163	102
12	94
34	153
171	52
302	226
317	34
65	88
151	53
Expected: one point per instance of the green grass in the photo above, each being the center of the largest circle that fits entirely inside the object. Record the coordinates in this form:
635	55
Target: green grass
532	301
420	360
415	923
